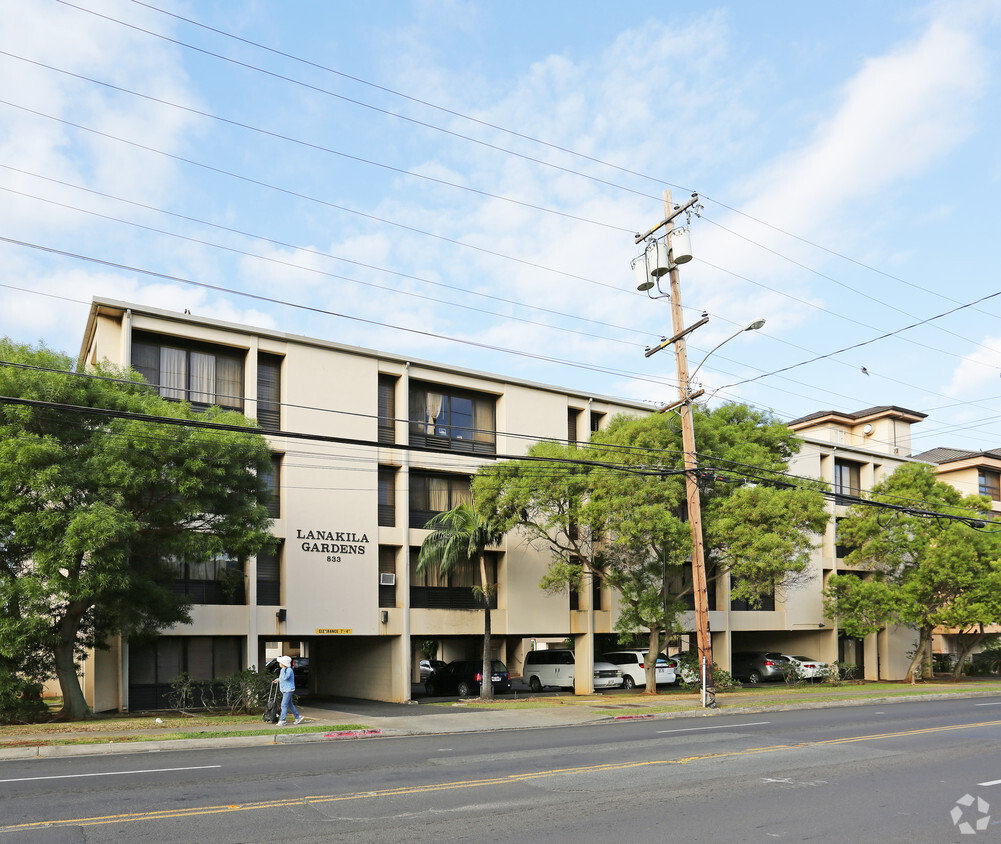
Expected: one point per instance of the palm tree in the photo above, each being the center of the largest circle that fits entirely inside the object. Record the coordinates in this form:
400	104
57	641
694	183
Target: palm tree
458	535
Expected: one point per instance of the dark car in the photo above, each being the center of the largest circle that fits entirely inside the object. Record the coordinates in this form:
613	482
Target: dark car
464	677
300	671
755	666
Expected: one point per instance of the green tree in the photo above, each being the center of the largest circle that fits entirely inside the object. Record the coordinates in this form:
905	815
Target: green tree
616	508
459	536
98	499
917	570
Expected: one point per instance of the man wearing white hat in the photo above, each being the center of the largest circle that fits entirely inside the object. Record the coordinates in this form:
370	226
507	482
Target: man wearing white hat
286	685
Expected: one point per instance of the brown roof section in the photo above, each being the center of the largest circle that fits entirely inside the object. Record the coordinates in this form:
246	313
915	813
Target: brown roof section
844	418
952	455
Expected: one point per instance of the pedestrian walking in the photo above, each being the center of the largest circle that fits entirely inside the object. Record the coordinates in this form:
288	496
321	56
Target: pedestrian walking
286	685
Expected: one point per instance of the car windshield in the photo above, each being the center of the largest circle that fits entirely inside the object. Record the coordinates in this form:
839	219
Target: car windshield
802	658
497	665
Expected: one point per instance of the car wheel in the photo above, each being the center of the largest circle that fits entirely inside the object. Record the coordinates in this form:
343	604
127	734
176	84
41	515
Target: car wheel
628	682
754	678
535	684
464	689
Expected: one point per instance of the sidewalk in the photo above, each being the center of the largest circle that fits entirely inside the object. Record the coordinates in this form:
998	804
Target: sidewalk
343	719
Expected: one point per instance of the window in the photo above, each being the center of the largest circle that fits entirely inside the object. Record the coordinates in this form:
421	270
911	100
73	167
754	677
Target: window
432	494
183	371
457	420
430	590
387	409
989	484
596	595
269	584
847	480
269	392
216	581
595	422
841	548
154	665
273	481
387	497
573	416
765	601
387	565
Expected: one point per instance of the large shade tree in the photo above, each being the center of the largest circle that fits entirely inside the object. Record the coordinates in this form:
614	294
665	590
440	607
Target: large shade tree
916	568
101	497
615	508
458	537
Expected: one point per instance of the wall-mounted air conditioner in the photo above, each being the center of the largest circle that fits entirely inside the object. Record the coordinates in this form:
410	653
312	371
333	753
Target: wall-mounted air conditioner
387	578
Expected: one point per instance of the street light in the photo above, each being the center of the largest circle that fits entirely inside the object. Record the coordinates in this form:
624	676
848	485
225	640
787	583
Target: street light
753	326
699	583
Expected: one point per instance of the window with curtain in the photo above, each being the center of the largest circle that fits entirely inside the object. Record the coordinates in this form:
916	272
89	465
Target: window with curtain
216	581
454	591
431	494
452	419
847	479
196	372
989	484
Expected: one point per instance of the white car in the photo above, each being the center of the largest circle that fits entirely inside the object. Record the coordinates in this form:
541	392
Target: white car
607	675
682	670
633	665
809	669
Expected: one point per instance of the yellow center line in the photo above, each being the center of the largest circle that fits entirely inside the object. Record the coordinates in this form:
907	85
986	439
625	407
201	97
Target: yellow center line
165	814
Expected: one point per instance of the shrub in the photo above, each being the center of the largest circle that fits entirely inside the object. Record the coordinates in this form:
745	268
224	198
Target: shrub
20	699
246	692
689	664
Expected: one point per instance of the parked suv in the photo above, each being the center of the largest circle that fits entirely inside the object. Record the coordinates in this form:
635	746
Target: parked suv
633	665
555	667
755	666
464	678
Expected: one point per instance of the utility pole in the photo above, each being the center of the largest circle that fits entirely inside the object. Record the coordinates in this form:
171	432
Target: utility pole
699	584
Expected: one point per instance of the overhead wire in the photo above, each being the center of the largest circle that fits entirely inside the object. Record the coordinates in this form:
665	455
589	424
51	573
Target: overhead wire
500	128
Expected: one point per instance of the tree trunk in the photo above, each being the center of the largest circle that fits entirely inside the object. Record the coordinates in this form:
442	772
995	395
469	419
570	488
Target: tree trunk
487	683
967	649
651	664
919	653
74	705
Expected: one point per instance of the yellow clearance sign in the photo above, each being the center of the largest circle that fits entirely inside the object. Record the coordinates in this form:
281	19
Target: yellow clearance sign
321	630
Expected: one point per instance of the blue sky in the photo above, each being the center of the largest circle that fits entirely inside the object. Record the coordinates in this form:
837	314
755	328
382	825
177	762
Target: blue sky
462	182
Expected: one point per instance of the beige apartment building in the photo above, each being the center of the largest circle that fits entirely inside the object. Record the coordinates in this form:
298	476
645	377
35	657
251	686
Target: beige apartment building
367	446
971	473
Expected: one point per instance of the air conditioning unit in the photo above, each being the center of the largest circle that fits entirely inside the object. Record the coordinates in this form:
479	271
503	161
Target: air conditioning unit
387	578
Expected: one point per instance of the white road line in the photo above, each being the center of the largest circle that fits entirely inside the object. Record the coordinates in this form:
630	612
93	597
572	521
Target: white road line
988	704
112	773
992	782
717	727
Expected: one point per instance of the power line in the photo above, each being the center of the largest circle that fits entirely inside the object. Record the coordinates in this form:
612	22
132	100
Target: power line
319	147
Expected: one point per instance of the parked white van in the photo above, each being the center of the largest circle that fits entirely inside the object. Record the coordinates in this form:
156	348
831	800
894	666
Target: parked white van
555	667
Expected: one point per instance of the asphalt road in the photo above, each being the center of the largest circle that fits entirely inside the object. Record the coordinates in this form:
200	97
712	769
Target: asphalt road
907	772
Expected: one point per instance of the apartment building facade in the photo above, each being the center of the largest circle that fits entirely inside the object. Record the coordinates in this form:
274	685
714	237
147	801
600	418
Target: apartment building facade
366	448
851	452
971	473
